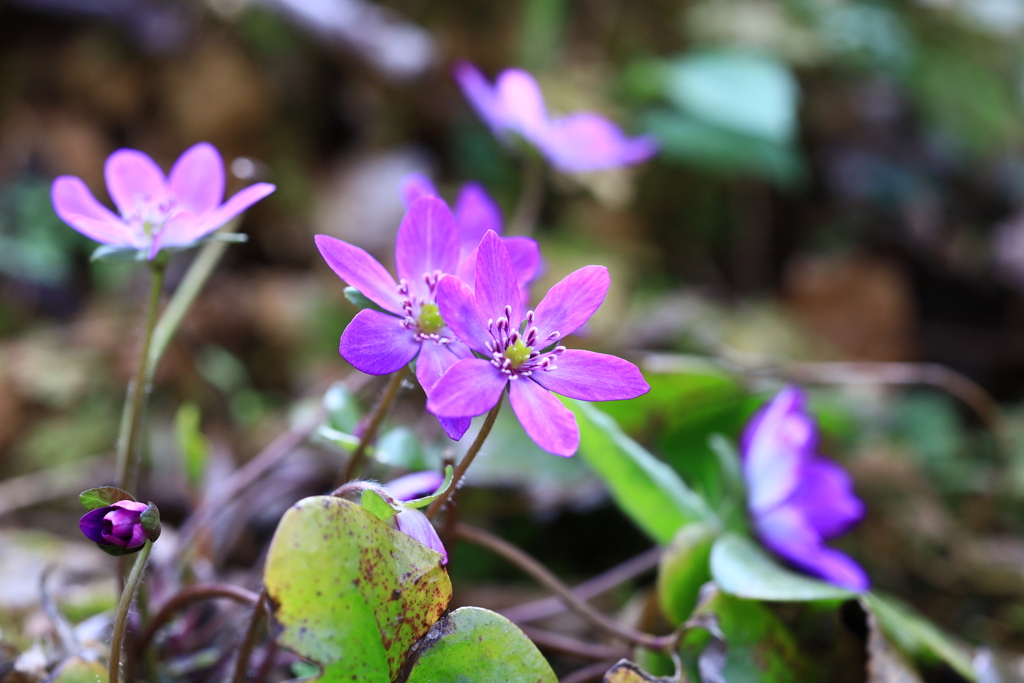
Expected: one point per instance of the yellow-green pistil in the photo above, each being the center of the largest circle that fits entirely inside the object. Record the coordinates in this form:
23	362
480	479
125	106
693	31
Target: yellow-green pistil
518	353
430	319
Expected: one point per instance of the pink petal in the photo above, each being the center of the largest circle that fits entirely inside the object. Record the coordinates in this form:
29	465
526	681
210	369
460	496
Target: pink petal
433	361
525	255
590	376
427	241
455	427
414	186
77	207
415	485
475	214
825	494
481	95
197	178
522	103
778	449
457	304
471	387
132	177
229	209
551	425
360	270
589	142
496	285
377	344
571	302
414	523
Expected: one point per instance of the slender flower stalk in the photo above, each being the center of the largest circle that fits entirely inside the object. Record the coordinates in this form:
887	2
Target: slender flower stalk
376	419
467	460
238	675
121	620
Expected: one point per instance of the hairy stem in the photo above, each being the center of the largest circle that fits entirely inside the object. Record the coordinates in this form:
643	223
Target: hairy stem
249	641
380	411
121	620
467	460
544	577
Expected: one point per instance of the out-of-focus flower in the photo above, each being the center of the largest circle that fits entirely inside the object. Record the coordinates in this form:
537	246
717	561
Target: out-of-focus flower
579	142
796	498
119	528
531	363
476	213
157	212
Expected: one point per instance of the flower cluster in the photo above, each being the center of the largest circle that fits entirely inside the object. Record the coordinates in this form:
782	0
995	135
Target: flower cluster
583	141
798	499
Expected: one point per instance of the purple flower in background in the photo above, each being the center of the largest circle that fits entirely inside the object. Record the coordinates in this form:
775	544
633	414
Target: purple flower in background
475	214
411	326
583	141
119	524
156	211
796	498
410	520
531	362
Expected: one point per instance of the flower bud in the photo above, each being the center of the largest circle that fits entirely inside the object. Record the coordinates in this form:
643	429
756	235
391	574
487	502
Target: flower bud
123	527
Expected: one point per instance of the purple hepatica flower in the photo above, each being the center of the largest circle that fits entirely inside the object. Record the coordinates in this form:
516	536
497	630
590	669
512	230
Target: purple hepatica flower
157	212
580	142
530	362
475	214
796	498
119	525
411	521
411	326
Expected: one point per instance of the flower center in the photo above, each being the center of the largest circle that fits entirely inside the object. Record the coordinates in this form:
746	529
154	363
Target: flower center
152	213
515	354
422	316
430	318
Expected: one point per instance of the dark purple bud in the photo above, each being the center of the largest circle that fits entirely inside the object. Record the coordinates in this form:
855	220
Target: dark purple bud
122	527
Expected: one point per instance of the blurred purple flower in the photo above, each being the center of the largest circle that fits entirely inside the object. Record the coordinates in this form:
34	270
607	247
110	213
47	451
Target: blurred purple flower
796	498
475	214
119	525
580	142
531	363
156	211
411	521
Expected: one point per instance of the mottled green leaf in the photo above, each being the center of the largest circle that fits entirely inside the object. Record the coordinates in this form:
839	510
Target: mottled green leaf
349	592
646	489
740	567
473	644
78	670
683	569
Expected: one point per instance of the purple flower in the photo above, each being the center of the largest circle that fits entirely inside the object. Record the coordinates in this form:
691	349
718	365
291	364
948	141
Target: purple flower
531	363
584	141
411	521
796	498
119	524
475	214
157	212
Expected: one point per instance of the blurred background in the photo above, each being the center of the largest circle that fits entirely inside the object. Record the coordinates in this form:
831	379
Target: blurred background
840	181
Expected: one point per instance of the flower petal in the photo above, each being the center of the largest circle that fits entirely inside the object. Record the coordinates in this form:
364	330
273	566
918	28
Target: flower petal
413	186
455	427
591	376
92	524
362	271
778	449
789	534
571	302
415	485
550	424
414	523
522	103
427	241
457	304
76	206
475	214
590	142
496	285
825	495
377	344
433	361
232	207
470	387
481	95
133	177
524	253
197	178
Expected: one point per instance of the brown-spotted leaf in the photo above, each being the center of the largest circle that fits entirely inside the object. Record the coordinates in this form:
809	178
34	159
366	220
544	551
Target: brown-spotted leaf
349	592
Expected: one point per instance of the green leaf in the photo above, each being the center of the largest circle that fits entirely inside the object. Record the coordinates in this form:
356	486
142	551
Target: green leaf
381	509
359	300
195	448
346	442
349	592
915	635
646	489
101	497
449	474
343	410
475	644
684	569
740	567
78	670
400	447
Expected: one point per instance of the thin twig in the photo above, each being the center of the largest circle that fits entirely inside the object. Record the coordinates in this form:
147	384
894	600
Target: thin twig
380	411
544	577
123	607
591	672
571	646
619	574
467	460
185	597
249	641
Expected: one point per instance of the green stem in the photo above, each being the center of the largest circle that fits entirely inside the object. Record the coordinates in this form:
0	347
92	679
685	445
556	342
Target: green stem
531	196
135	403
460	469
121	620
370	433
